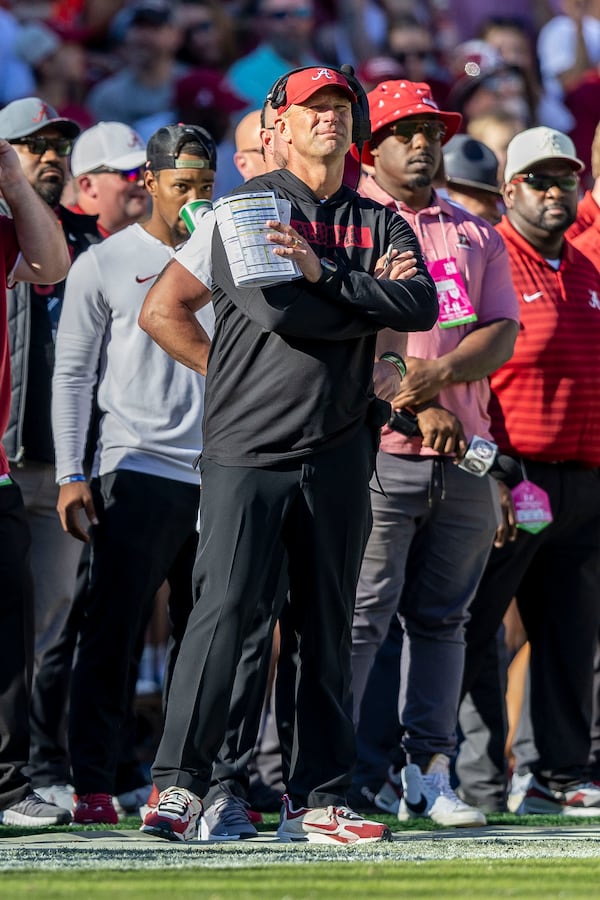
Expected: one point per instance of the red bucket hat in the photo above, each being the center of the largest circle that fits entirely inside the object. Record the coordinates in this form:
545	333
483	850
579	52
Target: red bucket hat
393	100
303	84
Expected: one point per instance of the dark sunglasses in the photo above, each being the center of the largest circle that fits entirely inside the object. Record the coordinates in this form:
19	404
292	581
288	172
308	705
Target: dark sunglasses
278	15
130	175
545	182
39	145
406	130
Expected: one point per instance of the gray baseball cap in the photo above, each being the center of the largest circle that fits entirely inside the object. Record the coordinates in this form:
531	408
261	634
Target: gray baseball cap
535	145
471	163
23	117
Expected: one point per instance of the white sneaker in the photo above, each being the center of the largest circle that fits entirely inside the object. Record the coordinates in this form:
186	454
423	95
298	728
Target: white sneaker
429	795
176	816
59	794
328	825
519	785
389	794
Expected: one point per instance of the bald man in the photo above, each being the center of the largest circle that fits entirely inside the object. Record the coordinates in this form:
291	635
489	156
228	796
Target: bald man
249	156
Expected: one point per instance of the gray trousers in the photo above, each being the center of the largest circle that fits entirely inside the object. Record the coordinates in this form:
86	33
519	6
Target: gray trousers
432	534
54	554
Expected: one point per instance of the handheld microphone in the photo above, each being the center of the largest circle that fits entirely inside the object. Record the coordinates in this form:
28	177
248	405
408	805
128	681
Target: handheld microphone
481	458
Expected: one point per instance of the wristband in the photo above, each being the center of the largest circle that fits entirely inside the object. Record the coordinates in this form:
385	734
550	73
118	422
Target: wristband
69	479
395	359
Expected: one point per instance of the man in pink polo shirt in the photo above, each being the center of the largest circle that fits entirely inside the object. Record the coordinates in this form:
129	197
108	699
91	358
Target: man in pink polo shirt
433	522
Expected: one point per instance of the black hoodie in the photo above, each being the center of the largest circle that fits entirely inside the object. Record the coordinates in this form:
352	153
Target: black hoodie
290	367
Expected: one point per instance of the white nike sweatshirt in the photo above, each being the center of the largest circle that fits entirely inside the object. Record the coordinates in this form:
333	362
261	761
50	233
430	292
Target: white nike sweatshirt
151	406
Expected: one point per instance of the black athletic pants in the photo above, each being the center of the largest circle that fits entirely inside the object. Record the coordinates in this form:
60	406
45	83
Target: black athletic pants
555	576
146	534
16	659
317	511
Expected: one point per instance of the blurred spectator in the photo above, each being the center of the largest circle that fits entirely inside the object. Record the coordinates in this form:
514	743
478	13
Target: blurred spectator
472	177
59	70
285	30
496	128
567	47
88	21
208	34
373	71
469	15
484	82
583	102
144	86
412	43
514	41
16	77
203	97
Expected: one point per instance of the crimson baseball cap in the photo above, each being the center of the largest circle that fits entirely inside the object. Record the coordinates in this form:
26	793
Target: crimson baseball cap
394	100
23	117
303	84
166	145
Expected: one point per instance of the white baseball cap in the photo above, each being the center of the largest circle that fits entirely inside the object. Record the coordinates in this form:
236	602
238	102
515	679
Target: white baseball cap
111	144
536	145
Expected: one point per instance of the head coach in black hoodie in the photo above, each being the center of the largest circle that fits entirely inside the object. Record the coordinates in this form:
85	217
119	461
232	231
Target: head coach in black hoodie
290	435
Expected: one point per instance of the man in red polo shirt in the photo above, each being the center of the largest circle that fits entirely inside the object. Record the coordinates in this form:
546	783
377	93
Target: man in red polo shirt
545	413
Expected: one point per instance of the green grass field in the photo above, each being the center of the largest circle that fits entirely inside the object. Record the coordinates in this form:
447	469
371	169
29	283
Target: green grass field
493	864
456	880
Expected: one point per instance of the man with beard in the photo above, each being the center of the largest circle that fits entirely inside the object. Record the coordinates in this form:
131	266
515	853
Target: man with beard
433	522
545	413
43	141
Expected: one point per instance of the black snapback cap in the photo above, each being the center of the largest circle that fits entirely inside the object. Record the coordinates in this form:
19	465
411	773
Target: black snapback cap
166	145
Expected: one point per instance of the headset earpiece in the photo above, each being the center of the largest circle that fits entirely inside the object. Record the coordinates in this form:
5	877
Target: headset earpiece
361	120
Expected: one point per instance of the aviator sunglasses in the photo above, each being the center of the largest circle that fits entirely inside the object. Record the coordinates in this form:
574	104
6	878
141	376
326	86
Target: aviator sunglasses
545	182
39	145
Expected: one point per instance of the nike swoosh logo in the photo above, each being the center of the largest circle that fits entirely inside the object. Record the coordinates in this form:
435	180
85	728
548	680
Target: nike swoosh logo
528	298
417	808
331	827
147	278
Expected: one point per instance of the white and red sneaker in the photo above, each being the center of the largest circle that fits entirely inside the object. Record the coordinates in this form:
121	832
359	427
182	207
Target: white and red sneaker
328	825
175	817
581	800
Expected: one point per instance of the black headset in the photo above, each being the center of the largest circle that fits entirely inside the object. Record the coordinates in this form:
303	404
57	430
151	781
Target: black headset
361	120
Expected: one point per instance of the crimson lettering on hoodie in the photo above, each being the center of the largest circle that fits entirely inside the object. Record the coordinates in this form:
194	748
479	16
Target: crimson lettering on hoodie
327	235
